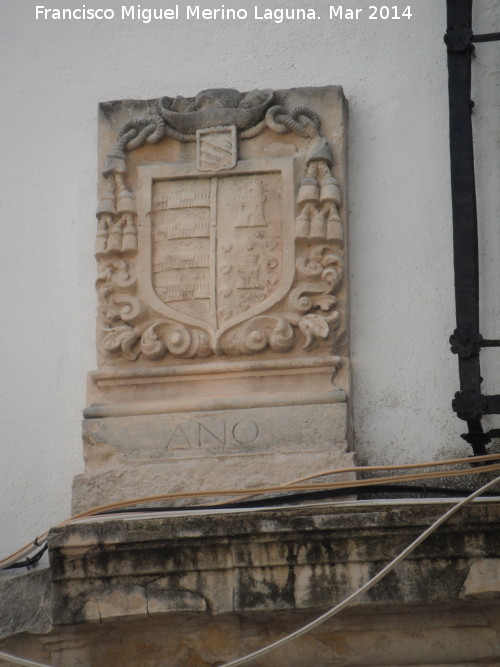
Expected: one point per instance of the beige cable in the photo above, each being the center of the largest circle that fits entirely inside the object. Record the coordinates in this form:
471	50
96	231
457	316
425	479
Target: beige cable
288	487
404	466
31	546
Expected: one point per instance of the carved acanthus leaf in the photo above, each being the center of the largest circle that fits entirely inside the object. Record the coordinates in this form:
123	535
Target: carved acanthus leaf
317	326
118	274
302	298
121	339
333	276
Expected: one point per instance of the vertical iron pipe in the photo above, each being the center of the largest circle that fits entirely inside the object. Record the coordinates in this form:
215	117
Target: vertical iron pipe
468	402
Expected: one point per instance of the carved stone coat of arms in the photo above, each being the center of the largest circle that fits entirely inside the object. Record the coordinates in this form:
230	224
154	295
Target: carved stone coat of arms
222	297
219	228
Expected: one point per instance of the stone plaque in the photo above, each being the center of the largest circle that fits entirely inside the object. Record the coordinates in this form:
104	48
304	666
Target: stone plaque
221	265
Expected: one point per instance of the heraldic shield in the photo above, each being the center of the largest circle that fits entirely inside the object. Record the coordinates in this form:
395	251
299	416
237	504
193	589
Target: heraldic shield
218	247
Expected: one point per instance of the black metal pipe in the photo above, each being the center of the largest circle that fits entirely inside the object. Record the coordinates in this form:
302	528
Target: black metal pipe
487	37
465	241
469	404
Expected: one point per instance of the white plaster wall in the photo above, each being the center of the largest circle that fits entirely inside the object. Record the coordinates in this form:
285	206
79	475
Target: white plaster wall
53	75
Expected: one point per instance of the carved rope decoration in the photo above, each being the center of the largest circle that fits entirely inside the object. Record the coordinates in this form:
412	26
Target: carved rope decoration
128	328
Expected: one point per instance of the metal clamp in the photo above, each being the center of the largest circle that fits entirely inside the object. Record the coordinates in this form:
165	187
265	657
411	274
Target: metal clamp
458	38
469	404
465	343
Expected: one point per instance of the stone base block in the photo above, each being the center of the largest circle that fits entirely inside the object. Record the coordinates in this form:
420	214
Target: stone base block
195	435
224	472
145	455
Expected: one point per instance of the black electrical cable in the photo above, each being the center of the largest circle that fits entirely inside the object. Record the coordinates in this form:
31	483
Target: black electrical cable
418	491
30	561
285	498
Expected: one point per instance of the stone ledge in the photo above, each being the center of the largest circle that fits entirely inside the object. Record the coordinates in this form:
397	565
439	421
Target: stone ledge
203	588
297	558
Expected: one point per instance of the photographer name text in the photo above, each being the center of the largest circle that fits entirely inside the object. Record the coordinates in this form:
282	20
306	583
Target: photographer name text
222	13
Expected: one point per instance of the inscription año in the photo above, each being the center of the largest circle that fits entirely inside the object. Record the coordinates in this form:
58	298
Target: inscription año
192	435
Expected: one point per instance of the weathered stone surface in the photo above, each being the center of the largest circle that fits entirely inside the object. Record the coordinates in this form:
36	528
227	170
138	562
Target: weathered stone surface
438	636
237	561
217	386
483	579
116	482
24	602
202	589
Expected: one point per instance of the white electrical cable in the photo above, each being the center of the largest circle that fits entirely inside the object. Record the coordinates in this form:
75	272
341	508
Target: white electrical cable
22	661
334	610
